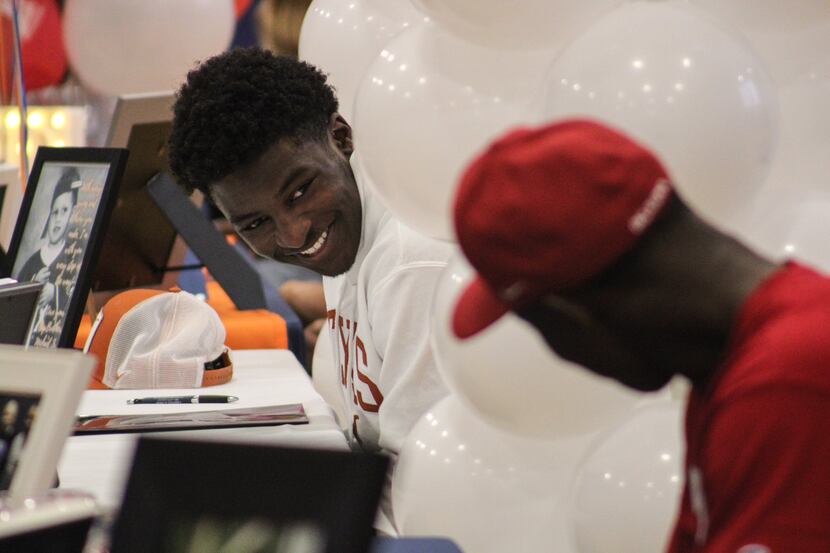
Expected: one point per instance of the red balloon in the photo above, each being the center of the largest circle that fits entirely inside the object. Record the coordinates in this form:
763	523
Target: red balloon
41	42
241	6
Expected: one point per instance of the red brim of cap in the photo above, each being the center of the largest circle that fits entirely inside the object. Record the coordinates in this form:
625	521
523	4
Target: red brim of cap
477	308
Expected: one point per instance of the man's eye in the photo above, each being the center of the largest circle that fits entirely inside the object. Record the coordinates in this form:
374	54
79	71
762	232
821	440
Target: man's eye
301	191
253	224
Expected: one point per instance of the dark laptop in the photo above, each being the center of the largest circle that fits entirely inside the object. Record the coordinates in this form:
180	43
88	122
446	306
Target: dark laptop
18	302
207	496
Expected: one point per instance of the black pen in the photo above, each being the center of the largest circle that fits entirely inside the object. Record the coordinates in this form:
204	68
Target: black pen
184	399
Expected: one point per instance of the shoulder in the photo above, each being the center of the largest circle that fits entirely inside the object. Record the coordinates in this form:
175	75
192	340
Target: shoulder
397	249
786	337
766	452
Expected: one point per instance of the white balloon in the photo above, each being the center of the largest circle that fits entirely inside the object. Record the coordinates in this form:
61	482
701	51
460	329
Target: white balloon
790	218
530	23
792	224
342	38
122	46
627	492
771	15
510	377
788	36
687	88
489	491
427	104
802	161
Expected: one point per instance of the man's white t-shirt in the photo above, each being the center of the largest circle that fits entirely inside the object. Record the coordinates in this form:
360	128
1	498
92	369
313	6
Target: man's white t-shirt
379	324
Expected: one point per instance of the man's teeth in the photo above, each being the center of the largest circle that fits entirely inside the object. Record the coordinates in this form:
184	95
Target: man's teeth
317	245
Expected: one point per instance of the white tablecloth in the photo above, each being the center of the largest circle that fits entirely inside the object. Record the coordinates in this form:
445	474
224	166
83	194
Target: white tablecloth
100	464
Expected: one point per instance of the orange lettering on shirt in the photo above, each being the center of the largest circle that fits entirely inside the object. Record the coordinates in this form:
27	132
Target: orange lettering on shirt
344	341
350	368
361	358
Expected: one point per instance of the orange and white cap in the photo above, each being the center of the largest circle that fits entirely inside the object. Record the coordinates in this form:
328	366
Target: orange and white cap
155	339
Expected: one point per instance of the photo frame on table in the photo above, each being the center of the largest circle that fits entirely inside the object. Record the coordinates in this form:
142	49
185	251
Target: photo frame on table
58	234
12	193
188	495
39	394
58	521
139	233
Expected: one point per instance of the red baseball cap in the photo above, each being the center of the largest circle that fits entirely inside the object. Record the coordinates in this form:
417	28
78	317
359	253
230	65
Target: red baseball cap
545	209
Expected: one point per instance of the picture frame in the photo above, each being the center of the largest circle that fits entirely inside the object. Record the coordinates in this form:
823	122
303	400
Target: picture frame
293	500
139	233
138	108
59	231
58	522
40	390
12	196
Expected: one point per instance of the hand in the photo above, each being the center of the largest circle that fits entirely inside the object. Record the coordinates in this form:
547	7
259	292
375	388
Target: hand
47	294
305	298
42	275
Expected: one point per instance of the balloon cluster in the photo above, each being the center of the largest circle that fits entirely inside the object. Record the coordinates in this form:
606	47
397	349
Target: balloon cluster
729	93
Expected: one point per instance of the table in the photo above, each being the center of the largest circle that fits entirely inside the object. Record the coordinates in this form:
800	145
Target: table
100	464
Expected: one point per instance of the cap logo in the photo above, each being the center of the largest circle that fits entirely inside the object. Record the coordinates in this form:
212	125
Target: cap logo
655	200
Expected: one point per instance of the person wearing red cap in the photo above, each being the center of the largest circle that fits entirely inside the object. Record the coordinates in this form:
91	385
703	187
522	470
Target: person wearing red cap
619	275
261	136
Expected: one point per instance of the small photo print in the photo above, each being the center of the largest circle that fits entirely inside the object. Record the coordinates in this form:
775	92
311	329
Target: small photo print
54	241
17	415
212	534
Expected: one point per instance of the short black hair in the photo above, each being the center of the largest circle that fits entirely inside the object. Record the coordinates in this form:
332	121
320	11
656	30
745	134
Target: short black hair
236	105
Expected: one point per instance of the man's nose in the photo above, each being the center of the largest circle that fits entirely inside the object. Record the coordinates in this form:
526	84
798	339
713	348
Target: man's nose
292	232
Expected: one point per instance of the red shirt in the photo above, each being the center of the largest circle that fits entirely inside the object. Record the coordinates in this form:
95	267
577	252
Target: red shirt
758	433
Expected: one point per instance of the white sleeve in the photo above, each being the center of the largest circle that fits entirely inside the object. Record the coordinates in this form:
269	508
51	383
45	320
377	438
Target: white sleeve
400	318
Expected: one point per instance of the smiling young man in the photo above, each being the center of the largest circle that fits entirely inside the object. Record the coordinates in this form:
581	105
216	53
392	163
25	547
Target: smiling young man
261	136
618	275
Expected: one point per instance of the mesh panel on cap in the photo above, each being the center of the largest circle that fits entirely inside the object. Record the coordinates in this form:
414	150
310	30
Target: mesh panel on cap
164	342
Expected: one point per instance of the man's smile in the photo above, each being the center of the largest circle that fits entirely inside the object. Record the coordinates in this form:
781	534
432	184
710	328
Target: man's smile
318	244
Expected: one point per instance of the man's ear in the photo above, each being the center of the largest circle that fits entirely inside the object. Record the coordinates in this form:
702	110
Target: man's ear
341	132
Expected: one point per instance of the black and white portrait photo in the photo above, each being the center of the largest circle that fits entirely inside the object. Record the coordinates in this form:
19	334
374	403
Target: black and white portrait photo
54	240
17	414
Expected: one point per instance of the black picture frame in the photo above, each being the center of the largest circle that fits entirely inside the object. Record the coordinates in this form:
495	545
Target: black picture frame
80	186
177	484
